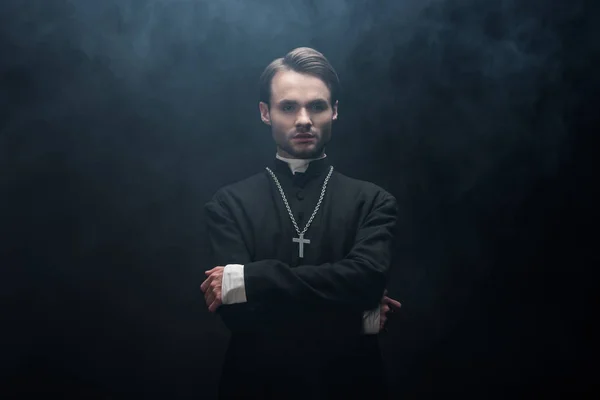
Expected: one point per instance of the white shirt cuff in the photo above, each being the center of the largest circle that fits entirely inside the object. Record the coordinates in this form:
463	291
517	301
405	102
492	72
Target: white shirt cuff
371	320
232	288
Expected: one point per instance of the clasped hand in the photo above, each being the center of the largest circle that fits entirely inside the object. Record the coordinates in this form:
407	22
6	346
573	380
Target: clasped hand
211	288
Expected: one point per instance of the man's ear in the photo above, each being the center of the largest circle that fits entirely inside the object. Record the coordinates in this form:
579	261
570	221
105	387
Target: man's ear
265	116
335	111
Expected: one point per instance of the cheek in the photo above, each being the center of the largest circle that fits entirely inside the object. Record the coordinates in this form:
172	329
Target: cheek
323	122
278	131
324	117
281	124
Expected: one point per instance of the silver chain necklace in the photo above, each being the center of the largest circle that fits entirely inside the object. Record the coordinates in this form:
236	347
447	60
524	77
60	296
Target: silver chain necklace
300	239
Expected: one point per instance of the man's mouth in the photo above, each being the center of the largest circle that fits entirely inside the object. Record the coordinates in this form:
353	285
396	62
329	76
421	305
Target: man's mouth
304	136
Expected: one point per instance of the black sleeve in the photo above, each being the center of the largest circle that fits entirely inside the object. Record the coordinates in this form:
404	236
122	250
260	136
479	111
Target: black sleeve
358	281
227	247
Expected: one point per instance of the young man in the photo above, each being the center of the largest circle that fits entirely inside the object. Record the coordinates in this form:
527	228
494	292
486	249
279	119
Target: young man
301	254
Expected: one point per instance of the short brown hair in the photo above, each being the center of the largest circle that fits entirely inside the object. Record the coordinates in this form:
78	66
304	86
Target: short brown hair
303	60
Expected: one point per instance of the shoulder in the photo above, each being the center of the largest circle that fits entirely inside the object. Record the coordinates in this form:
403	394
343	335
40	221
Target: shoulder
240	189
363	189
372	201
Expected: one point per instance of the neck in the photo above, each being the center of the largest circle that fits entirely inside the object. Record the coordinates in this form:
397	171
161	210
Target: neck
282	154
298	164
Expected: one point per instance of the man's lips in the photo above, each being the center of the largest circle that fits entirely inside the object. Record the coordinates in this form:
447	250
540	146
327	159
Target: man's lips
304	136
304	139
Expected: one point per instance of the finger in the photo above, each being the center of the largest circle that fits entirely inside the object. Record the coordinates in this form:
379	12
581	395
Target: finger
206	284
393	302
215	288
385	309
209	297
210	271
214	305
209	300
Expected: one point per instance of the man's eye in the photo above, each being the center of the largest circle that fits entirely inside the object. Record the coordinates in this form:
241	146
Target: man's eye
318	107
287	108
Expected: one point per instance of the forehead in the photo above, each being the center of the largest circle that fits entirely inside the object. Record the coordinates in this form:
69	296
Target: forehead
291	85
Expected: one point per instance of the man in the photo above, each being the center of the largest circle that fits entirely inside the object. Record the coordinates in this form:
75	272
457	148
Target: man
301	254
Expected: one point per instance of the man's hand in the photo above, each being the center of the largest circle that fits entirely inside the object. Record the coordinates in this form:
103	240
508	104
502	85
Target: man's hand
212	288
387	305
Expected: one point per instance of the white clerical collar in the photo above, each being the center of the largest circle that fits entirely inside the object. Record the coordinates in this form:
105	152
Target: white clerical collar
298	165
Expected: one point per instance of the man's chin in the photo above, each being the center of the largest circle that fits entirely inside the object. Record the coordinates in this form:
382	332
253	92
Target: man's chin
303	150
307	153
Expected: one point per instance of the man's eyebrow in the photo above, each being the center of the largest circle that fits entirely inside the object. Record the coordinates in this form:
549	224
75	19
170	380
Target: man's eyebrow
315	101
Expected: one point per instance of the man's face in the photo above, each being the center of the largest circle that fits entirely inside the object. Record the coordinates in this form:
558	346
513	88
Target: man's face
300	115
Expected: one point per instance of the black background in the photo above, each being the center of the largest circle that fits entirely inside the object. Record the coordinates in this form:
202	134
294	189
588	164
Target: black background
119	120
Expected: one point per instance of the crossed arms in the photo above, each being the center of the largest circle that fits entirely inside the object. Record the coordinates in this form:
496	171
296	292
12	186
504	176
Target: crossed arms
355	282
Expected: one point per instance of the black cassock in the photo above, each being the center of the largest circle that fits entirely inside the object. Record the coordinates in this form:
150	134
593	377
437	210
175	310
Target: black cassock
300	333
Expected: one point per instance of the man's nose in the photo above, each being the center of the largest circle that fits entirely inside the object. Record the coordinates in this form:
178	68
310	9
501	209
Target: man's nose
303	119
